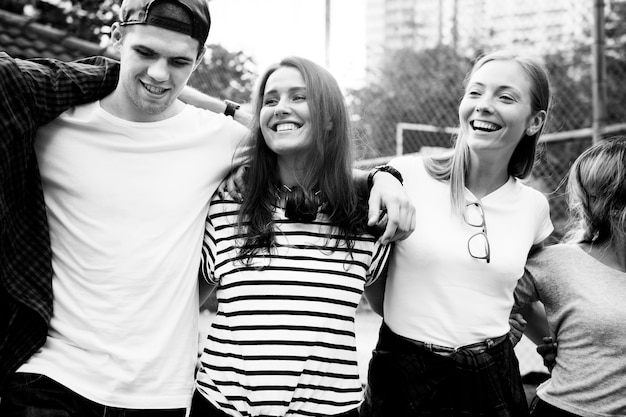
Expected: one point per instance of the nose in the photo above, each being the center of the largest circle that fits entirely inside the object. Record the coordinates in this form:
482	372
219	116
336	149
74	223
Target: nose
484	105
281	107
158	70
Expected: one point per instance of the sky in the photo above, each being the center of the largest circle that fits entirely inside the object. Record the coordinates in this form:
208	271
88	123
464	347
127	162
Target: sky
267	30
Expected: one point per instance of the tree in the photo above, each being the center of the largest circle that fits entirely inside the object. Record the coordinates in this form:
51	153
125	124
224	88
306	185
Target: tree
616	31
225	74
570	74
616	62
421	87
570	78
221	74
86	19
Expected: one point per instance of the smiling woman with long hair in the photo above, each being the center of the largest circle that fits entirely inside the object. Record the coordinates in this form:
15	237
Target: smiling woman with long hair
289	261
443	348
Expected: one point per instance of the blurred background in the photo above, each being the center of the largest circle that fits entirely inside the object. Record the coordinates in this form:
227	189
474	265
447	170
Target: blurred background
401	64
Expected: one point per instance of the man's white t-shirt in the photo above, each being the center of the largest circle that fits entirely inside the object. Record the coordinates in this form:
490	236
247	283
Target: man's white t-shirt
126	205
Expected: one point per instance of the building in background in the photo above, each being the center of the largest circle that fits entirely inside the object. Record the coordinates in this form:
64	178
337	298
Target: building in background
533	27
467	26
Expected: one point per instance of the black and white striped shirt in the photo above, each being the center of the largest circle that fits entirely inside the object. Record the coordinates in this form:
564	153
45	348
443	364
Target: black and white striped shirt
283	340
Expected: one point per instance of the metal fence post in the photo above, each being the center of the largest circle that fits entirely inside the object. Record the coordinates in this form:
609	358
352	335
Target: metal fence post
598	72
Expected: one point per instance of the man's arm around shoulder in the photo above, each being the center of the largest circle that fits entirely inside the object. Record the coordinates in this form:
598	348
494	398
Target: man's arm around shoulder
48	87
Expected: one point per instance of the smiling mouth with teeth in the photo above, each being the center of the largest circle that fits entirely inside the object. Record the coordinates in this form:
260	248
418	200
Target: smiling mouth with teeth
154	90
283	127
485	126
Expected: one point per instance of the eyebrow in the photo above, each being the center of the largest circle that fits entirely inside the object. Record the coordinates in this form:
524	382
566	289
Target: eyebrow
498	88
154	51
291	90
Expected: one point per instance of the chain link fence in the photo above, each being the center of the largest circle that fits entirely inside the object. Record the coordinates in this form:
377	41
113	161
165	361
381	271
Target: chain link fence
411	98
409	103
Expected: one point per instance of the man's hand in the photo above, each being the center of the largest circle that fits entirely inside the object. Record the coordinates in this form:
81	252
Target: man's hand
518	325
233	185
390	207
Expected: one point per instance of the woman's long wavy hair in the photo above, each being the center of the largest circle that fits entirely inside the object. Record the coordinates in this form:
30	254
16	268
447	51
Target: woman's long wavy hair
597	194
329	163
453	166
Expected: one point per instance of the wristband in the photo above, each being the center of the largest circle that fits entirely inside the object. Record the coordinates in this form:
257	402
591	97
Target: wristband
231	108
384	168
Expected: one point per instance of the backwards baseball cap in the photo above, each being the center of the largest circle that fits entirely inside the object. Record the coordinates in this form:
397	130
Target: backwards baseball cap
190	17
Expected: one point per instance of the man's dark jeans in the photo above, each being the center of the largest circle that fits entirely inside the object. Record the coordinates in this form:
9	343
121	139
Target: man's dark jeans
34	395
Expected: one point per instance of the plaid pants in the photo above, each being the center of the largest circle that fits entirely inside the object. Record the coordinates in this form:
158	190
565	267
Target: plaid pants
406	380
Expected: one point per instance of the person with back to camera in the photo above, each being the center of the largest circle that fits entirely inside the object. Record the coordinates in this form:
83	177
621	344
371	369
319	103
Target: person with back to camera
582	285
442	348
289	260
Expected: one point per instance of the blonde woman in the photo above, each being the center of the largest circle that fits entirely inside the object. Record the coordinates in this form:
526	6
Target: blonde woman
443	349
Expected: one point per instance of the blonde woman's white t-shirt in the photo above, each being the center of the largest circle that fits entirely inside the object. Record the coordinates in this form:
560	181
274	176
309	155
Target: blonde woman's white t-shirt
436	292
126	205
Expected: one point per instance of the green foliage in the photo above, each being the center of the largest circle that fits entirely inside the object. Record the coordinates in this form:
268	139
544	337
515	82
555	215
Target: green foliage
572	80
88	19
411	87
424	87
570	77
13	6
222	74
616	31
225	74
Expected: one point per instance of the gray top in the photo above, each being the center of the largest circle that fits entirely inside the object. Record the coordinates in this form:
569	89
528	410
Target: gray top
585	302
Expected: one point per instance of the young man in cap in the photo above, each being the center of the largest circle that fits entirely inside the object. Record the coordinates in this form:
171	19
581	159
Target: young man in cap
126	182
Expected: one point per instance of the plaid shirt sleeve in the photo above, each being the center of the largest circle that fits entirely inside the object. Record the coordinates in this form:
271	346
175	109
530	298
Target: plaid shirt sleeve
32	93
54	86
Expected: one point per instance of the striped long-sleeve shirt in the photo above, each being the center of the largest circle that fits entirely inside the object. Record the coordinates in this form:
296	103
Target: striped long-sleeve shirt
283	340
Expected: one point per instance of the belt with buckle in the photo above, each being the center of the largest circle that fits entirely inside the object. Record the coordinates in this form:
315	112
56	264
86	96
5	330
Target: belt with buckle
479	347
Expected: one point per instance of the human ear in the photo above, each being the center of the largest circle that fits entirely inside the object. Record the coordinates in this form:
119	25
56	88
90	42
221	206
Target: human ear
536	122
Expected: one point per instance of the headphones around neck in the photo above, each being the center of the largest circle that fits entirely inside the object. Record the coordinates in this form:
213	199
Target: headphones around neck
297	206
